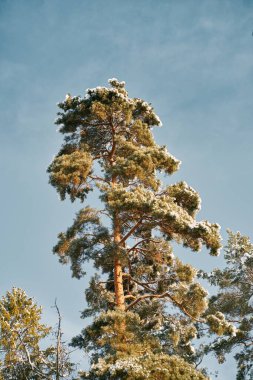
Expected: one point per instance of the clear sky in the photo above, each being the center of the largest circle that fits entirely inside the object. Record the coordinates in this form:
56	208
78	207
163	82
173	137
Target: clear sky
192	59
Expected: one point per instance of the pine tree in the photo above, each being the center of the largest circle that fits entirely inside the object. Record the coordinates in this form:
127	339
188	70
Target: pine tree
234	301
21	335
145	301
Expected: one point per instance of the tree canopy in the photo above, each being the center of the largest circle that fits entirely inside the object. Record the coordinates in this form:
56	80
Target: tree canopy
145	301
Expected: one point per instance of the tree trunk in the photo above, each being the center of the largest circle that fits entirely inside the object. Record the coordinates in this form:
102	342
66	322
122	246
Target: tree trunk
118	278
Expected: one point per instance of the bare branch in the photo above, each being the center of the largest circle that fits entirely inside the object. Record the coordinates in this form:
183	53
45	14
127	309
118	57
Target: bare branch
131	231
96	178
58	342
140	242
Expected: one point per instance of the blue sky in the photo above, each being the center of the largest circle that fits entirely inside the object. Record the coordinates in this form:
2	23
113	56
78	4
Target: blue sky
193	60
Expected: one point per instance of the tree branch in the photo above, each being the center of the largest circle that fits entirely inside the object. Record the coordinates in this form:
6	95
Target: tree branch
143	284
96	178
163	295
142	241
131	231
58	343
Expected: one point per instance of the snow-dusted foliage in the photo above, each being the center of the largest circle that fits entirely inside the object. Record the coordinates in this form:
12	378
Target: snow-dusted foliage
234	302
109	144
148	366
21	335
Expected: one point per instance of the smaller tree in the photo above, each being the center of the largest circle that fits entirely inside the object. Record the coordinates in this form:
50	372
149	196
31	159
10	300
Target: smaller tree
21	333
234	301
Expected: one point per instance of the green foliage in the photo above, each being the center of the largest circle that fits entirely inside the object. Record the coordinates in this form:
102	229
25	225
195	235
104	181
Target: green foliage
109	144
130	353
21	334
141	367
82	241
234	302
69	174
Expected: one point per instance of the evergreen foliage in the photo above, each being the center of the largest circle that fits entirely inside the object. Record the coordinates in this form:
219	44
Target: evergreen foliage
234	301
21	334
145	301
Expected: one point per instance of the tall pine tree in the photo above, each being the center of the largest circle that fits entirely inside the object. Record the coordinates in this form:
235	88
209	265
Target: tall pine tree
145	301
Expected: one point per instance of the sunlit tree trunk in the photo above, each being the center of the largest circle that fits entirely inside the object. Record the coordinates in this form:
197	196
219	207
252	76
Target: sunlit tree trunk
118	278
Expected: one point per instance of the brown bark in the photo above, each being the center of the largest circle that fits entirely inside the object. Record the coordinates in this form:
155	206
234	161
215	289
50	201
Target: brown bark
118	282
118	278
